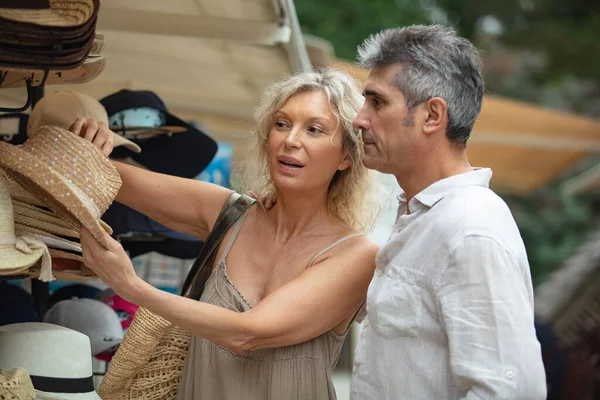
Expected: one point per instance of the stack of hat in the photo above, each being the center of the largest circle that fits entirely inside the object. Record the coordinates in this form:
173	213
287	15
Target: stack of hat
57	37
59	182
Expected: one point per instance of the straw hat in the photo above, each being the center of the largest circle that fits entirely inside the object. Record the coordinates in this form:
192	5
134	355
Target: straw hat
22	198
17	254
69	174
35	217
65	13
61	109
15	384
58	359
17	77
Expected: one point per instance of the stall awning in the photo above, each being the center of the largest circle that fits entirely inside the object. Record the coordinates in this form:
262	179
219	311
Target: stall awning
209	60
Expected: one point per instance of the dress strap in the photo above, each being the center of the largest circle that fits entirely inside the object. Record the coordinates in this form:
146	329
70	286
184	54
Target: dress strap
331	246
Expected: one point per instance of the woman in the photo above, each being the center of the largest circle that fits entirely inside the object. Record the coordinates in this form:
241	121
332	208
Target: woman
289	280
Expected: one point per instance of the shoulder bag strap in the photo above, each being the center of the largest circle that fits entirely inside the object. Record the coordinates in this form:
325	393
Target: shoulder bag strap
235	206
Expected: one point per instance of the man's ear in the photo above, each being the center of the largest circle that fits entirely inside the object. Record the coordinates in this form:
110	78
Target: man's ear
437	115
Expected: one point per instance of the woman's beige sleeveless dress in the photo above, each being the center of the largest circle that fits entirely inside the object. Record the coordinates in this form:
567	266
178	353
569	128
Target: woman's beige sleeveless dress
301	371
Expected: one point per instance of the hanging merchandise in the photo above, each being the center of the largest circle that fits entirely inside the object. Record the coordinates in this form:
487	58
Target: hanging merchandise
57	358
69	174
91	317
13	127
15	384
18	253
169	144
16	305
78	290
125	312
53	44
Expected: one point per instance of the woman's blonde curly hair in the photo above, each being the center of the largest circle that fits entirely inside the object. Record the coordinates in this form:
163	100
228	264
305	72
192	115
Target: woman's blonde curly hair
351	195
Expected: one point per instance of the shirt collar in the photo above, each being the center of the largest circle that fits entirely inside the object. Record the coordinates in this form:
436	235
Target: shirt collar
438	190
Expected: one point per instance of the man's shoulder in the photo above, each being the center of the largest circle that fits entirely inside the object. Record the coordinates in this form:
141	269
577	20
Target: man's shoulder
474	211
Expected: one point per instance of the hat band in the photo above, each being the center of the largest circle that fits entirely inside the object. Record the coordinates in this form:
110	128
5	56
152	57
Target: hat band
63	385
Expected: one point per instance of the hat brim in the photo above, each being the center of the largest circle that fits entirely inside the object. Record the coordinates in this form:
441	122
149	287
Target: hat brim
185	154
28	209
120	141
57	253
17	77
13	261
50	187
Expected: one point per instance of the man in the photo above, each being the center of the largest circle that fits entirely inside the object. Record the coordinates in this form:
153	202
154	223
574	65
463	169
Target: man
450	307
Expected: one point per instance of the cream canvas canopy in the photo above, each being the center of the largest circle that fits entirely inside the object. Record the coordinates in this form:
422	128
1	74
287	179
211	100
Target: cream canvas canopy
210	60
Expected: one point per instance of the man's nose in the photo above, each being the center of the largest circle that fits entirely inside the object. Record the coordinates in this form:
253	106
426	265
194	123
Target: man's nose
361	121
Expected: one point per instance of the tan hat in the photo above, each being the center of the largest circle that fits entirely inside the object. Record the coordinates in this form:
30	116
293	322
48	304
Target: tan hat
15	384
65	13
71	176
18	253
22	198
17	77
63	108
47	221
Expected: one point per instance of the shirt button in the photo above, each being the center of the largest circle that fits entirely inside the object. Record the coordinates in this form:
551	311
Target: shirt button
366	322
378	272
510	374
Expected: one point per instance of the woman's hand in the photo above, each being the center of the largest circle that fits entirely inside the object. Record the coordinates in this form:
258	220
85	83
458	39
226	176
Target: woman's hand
95	132
111	264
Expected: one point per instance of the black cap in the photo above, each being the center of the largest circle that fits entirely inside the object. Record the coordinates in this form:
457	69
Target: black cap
183	154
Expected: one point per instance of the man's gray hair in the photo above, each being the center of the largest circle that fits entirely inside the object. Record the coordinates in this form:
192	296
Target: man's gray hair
436	63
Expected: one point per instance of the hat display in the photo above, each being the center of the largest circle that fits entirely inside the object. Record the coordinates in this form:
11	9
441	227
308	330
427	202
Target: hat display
63	13
61	109
57	358
90	317
15	384
31	216
16	305
17	77
124	309
47	35
143	117
18	253
67	173
79	290
13	127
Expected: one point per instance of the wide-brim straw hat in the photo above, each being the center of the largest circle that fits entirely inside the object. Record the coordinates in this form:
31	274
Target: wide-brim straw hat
16	254
57	13
15	384
34	217
71	176
22	198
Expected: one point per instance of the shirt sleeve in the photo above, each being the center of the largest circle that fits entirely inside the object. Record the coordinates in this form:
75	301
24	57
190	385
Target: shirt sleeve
486	310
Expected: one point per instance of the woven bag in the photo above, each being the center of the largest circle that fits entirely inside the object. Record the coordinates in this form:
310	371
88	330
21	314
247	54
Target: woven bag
149	362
